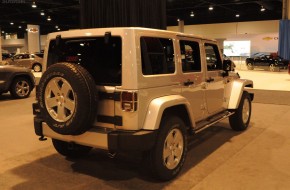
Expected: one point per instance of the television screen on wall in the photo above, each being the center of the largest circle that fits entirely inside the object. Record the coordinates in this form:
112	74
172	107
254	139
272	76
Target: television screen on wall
237	48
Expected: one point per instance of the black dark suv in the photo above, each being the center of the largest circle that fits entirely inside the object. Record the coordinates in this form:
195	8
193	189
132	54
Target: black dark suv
18	81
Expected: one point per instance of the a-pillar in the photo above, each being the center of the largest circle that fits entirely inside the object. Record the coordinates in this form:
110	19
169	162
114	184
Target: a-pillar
123	13
33	36
284	31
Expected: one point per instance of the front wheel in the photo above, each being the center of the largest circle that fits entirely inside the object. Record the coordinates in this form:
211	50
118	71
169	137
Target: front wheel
168	155
20	88
250	66
240	120
70	150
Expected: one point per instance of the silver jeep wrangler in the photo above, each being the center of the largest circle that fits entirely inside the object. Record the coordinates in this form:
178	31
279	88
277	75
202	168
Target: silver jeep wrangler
128	89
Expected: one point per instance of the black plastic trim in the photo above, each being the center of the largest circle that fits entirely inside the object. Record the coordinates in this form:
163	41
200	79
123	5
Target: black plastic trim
35	109
110	96
116	120
38	126
131	141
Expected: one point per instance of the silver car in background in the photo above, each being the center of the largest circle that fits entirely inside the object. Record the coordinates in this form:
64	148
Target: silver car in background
27	60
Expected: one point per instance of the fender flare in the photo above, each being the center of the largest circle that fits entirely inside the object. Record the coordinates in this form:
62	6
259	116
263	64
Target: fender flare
156	109
236	92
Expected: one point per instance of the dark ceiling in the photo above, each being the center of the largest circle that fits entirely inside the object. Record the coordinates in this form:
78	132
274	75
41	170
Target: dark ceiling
65	13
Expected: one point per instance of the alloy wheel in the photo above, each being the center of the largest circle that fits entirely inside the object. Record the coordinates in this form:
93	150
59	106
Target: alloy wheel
60	99
173	148
22	88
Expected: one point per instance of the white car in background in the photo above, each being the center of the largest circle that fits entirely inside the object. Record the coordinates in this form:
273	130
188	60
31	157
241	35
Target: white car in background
27	60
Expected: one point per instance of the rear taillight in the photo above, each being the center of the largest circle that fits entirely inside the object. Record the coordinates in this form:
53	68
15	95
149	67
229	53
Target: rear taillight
129	101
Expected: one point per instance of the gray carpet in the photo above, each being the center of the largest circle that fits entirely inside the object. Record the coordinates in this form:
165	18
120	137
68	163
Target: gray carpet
271	97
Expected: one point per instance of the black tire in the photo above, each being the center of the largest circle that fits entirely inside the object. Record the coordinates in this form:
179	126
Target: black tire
67	98
250	66
70	150
159	163
240	120
20	88
36	67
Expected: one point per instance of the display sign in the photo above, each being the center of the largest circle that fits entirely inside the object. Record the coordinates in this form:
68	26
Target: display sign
237	48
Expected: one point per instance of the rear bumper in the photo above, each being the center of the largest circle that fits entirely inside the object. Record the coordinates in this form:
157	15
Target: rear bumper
103	139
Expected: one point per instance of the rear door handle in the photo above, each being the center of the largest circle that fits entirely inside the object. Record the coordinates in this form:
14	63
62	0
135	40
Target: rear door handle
210	79
188	83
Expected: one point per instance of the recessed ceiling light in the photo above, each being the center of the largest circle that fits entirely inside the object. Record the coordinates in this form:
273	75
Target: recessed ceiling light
58	29
11	23
191	14
3	31
42	13
48	18
178	20
210	8
56	26
19	26
262	9
33	5
237	15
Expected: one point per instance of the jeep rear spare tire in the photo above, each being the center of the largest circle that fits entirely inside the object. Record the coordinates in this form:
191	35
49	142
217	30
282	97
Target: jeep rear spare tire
67	98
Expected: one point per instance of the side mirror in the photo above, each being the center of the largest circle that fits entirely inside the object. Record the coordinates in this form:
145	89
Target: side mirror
227	65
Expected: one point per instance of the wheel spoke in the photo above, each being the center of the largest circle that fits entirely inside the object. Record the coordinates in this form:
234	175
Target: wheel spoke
65	89
70	105
178	151
177	138
54	87
51	102
166	152
61	113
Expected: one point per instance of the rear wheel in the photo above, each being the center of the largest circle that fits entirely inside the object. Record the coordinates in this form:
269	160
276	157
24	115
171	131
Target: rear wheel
240	120
20	88
70	150
168	155
37	67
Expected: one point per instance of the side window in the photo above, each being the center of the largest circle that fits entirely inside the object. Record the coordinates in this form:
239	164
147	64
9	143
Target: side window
157	56
25	56
213	58
190	55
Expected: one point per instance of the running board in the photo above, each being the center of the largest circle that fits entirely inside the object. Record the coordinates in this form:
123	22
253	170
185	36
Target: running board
211	121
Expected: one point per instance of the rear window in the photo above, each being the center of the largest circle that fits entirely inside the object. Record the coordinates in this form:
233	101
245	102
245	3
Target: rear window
103	59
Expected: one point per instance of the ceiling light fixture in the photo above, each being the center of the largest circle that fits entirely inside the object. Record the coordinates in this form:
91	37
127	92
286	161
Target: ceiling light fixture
56	26
210	8
33	5
178	20
42	13
11	23
48	18
191	14
3	31
262	9
19	26
237	15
